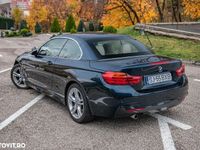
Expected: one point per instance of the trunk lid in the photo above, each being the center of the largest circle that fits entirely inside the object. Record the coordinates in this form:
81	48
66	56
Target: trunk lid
145	65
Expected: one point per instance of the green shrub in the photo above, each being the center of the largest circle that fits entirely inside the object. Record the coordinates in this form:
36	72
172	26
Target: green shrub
109	29
38	28
73	31
6	33
100	26
70	24
81	26
55	27
91	26
18	34
23	25
11	34
23	32
15	33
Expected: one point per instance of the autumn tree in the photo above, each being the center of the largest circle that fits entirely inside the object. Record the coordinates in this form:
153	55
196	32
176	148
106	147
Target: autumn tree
160	5
192	8
38	13
92	10
178	10
17	15
129	12
44	12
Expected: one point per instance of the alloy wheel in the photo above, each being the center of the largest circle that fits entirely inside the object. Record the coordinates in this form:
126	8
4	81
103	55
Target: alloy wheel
18	77
75	103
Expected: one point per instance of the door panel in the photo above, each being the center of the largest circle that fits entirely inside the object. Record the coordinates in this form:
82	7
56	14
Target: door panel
39	71
39	68
66	66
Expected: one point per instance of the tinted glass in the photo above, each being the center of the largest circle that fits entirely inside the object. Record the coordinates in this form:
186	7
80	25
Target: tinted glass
53	47
118	47
71	50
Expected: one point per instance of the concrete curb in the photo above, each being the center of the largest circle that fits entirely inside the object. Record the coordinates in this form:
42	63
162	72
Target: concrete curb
194	63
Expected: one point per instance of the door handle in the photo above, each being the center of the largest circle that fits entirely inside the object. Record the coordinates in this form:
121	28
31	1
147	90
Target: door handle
49	63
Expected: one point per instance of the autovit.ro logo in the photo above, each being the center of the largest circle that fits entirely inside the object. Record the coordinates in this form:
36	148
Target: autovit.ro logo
12	145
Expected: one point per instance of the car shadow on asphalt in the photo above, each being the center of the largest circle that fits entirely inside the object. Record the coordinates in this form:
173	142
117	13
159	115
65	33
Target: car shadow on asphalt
143	119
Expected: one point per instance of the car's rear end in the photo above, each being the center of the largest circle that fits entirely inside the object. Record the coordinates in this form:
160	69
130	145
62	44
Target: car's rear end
138	83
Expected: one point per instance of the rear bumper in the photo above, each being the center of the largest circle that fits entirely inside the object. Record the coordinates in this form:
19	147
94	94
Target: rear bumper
145	102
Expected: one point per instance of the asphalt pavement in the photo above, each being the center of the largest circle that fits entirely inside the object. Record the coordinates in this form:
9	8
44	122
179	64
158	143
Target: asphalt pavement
43	123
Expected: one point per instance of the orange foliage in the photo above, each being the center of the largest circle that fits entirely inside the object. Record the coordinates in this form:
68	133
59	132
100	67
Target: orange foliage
91	10
38	13
192	8
116	19
119	15
44	11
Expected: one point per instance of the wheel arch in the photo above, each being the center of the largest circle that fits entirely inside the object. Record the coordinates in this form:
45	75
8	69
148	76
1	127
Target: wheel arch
73	82
16	62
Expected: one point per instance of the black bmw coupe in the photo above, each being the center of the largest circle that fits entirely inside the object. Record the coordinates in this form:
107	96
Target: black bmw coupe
102	75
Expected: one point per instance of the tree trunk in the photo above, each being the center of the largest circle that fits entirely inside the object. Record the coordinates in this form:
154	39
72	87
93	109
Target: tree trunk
129	15
132	10
174	12
178	10
159	11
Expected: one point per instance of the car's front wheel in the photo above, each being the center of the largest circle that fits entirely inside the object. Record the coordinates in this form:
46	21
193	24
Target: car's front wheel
17	76
77	104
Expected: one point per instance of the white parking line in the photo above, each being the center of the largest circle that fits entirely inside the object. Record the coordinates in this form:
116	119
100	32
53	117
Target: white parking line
2	71
166	136
20	112
165	132
172	121
198	80
1	55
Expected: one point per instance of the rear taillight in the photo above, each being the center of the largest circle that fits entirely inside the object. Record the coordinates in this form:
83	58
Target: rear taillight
120	78
180	71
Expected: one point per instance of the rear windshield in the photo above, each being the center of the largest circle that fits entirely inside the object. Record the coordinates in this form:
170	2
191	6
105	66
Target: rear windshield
111	48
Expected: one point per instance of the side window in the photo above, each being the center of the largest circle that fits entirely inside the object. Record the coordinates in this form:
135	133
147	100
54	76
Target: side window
71	50
52	48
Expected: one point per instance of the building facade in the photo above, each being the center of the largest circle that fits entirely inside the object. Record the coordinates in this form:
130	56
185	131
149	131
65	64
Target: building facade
6	6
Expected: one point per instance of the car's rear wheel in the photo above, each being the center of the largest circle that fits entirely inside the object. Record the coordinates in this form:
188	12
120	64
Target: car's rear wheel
77	104
18	78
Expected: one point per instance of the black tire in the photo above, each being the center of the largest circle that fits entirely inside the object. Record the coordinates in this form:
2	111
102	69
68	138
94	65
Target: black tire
86	115
14	81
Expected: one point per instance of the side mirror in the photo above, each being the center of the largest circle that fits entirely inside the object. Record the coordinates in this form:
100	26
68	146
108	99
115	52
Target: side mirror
43	52
34	51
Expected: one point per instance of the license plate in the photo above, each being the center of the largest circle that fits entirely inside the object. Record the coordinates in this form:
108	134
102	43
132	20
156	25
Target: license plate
159	78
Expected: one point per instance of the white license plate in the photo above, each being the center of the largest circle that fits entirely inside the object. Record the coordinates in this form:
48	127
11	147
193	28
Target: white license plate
159	78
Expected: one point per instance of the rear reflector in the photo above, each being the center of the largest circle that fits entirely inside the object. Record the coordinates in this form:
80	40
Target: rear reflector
120	78
180	71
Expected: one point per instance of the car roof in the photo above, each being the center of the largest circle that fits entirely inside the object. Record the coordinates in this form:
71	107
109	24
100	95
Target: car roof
90	36
81	39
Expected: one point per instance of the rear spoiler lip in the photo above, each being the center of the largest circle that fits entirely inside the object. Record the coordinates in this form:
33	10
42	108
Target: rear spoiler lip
162	62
